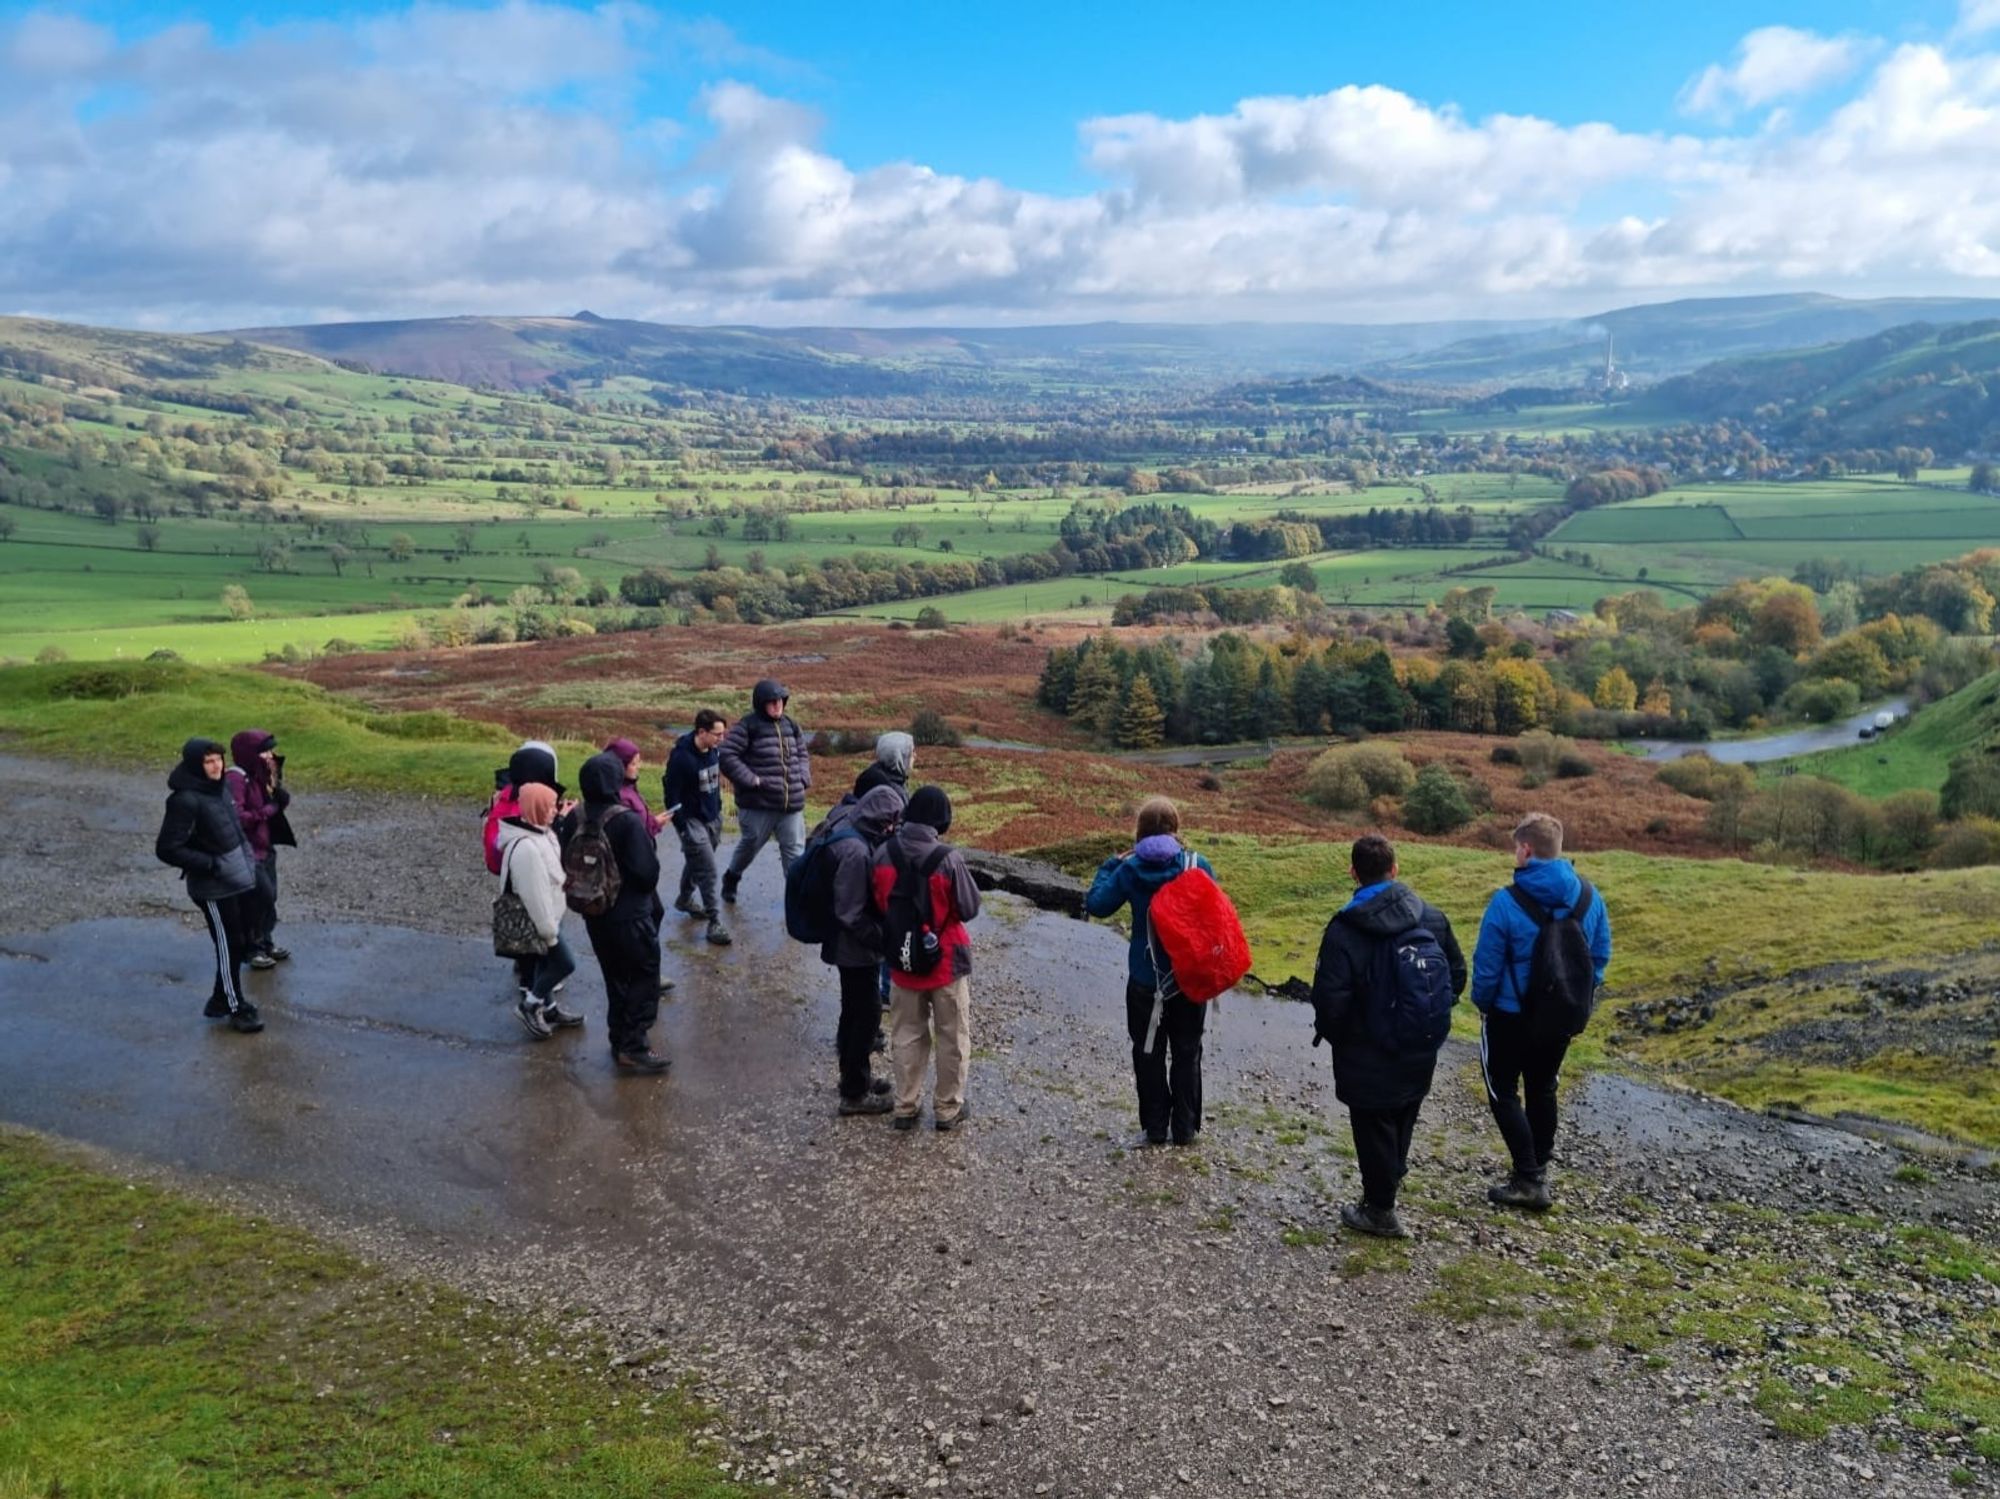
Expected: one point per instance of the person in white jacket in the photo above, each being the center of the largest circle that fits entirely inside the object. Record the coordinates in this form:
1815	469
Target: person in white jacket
531	864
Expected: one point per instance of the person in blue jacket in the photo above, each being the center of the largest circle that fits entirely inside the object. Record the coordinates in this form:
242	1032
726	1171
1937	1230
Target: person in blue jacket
1509	1056
1169	1091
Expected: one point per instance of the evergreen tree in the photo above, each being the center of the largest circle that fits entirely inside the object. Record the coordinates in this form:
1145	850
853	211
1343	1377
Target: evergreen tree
1384	703
1309	687
1271	704
1142	722
1093	702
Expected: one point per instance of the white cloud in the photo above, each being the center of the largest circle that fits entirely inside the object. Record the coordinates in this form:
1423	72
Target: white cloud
1772	63
1976	17
447	159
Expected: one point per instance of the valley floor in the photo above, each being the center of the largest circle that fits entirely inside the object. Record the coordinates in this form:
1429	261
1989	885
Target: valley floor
1722	1304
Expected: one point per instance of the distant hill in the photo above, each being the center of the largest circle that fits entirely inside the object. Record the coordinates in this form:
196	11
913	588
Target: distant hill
117	358
806	363
1667	338
1919	385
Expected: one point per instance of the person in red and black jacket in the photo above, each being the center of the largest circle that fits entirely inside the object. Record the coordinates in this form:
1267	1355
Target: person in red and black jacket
940	995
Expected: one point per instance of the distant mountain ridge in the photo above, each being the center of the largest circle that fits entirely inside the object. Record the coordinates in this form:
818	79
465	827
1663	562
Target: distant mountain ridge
1663	339
809	363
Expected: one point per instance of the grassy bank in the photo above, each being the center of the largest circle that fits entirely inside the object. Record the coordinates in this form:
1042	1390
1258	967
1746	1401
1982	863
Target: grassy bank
150	1346
139	714
1919	754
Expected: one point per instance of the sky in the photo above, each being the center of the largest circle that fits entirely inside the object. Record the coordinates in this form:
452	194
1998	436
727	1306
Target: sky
193	166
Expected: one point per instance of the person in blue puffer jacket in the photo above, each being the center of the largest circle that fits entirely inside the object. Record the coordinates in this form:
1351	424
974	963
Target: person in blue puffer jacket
1169	1092
1509	1055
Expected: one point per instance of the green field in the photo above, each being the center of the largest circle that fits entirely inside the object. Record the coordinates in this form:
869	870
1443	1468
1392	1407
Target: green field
1715	532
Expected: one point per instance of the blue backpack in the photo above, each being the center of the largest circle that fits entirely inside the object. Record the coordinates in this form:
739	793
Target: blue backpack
1414	997
809	886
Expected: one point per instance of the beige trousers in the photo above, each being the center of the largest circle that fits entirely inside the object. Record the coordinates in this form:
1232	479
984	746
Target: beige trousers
912	1013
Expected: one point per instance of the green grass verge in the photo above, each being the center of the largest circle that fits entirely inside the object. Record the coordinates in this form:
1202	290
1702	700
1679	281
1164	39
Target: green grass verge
151	1346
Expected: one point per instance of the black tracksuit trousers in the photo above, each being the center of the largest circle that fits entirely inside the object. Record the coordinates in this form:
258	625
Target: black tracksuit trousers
1382	1150
228	931
1513	1060
860	1018
628	951
1169	1090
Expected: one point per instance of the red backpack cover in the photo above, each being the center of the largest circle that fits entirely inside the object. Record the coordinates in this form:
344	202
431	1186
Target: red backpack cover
1195	925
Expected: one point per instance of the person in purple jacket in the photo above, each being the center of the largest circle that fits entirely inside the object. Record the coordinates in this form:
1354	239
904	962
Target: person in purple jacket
257	787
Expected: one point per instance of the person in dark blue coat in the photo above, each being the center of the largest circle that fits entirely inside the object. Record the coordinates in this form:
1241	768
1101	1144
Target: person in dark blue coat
1169	1091
1383	1083
693	785
1510	1056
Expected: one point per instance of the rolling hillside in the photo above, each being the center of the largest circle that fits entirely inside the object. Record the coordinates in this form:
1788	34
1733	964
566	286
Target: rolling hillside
1920	753
1668	338
819	363
1920	384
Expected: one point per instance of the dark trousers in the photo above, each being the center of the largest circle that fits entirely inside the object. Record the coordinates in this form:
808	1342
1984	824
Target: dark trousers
260	905
628	950
1382	1150
1169	1073
854	1039
228	933
699	840
1512	1060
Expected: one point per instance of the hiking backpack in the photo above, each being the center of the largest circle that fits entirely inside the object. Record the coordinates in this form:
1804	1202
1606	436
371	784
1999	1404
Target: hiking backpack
1415	998
809	886
591	880
1562	980
907	920
1191	923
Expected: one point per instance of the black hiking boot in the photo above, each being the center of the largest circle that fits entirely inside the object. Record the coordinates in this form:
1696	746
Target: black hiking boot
561	1019
1146	1140
244	1018
1530	1193
904	1122
867	1103
684	903
946	1126
645	1062
718	935
216	1009
1366	1219
729	889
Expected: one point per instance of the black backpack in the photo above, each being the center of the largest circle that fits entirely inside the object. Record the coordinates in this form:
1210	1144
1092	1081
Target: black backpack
809	886
908	917
1562	980
591	879
1413	998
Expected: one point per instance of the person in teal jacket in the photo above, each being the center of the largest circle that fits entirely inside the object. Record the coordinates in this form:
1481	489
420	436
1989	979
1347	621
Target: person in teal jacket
1509	1056
1166	1050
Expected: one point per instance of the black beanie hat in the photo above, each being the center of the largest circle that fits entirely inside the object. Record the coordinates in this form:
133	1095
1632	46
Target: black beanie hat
931	807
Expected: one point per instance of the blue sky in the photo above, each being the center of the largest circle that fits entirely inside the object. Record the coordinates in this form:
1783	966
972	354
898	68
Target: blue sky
984	89
974	162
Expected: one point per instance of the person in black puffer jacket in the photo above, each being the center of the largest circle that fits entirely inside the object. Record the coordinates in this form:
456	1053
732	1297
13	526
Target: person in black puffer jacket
1354	983
764	759
201	836
626	938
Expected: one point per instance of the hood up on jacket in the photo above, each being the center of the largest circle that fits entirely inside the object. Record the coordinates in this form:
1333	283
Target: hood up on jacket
770	690
246	746
1553	882
602	779
188	775
877	812
534	764
1157	859
894	751
1393	911
624	749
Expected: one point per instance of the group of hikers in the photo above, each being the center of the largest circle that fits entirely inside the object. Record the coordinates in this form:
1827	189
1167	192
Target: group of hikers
886	899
